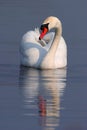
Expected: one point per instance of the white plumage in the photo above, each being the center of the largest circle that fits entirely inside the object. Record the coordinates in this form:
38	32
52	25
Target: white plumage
48	53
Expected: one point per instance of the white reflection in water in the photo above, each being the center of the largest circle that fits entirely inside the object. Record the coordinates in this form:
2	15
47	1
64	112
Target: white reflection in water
43	91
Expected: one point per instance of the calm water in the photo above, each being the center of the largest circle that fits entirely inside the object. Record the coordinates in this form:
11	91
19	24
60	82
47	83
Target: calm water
32	99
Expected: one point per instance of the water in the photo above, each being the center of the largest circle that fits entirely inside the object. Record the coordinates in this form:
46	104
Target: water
50	99
43	91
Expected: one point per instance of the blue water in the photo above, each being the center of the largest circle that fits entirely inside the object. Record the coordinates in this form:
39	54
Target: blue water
33	99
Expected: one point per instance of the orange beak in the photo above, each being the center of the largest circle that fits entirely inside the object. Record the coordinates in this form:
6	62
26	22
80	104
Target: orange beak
44	31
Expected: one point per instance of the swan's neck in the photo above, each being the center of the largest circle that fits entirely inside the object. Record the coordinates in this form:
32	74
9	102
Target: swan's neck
53	48
48	60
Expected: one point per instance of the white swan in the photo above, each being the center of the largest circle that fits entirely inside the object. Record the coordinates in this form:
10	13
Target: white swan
37	53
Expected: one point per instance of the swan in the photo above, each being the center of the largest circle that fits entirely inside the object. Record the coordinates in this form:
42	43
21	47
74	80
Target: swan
44	50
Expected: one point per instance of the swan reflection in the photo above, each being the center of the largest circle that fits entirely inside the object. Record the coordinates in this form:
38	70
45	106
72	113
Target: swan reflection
43	91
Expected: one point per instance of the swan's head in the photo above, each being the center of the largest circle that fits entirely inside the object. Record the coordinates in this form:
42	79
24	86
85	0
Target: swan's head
48	24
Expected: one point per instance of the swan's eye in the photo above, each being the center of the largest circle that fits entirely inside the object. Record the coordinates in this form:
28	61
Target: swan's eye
44	26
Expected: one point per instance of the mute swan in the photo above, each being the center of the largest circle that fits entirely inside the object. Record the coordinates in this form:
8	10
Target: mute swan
44	51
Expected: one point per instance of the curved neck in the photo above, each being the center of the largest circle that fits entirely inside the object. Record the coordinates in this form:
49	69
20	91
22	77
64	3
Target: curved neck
58	33
48	60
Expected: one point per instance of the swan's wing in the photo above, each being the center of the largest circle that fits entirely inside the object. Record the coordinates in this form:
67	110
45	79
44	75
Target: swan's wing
31	36
31	51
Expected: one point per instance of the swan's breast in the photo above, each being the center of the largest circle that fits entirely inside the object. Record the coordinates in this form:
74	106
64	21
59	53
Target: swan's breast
61	54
